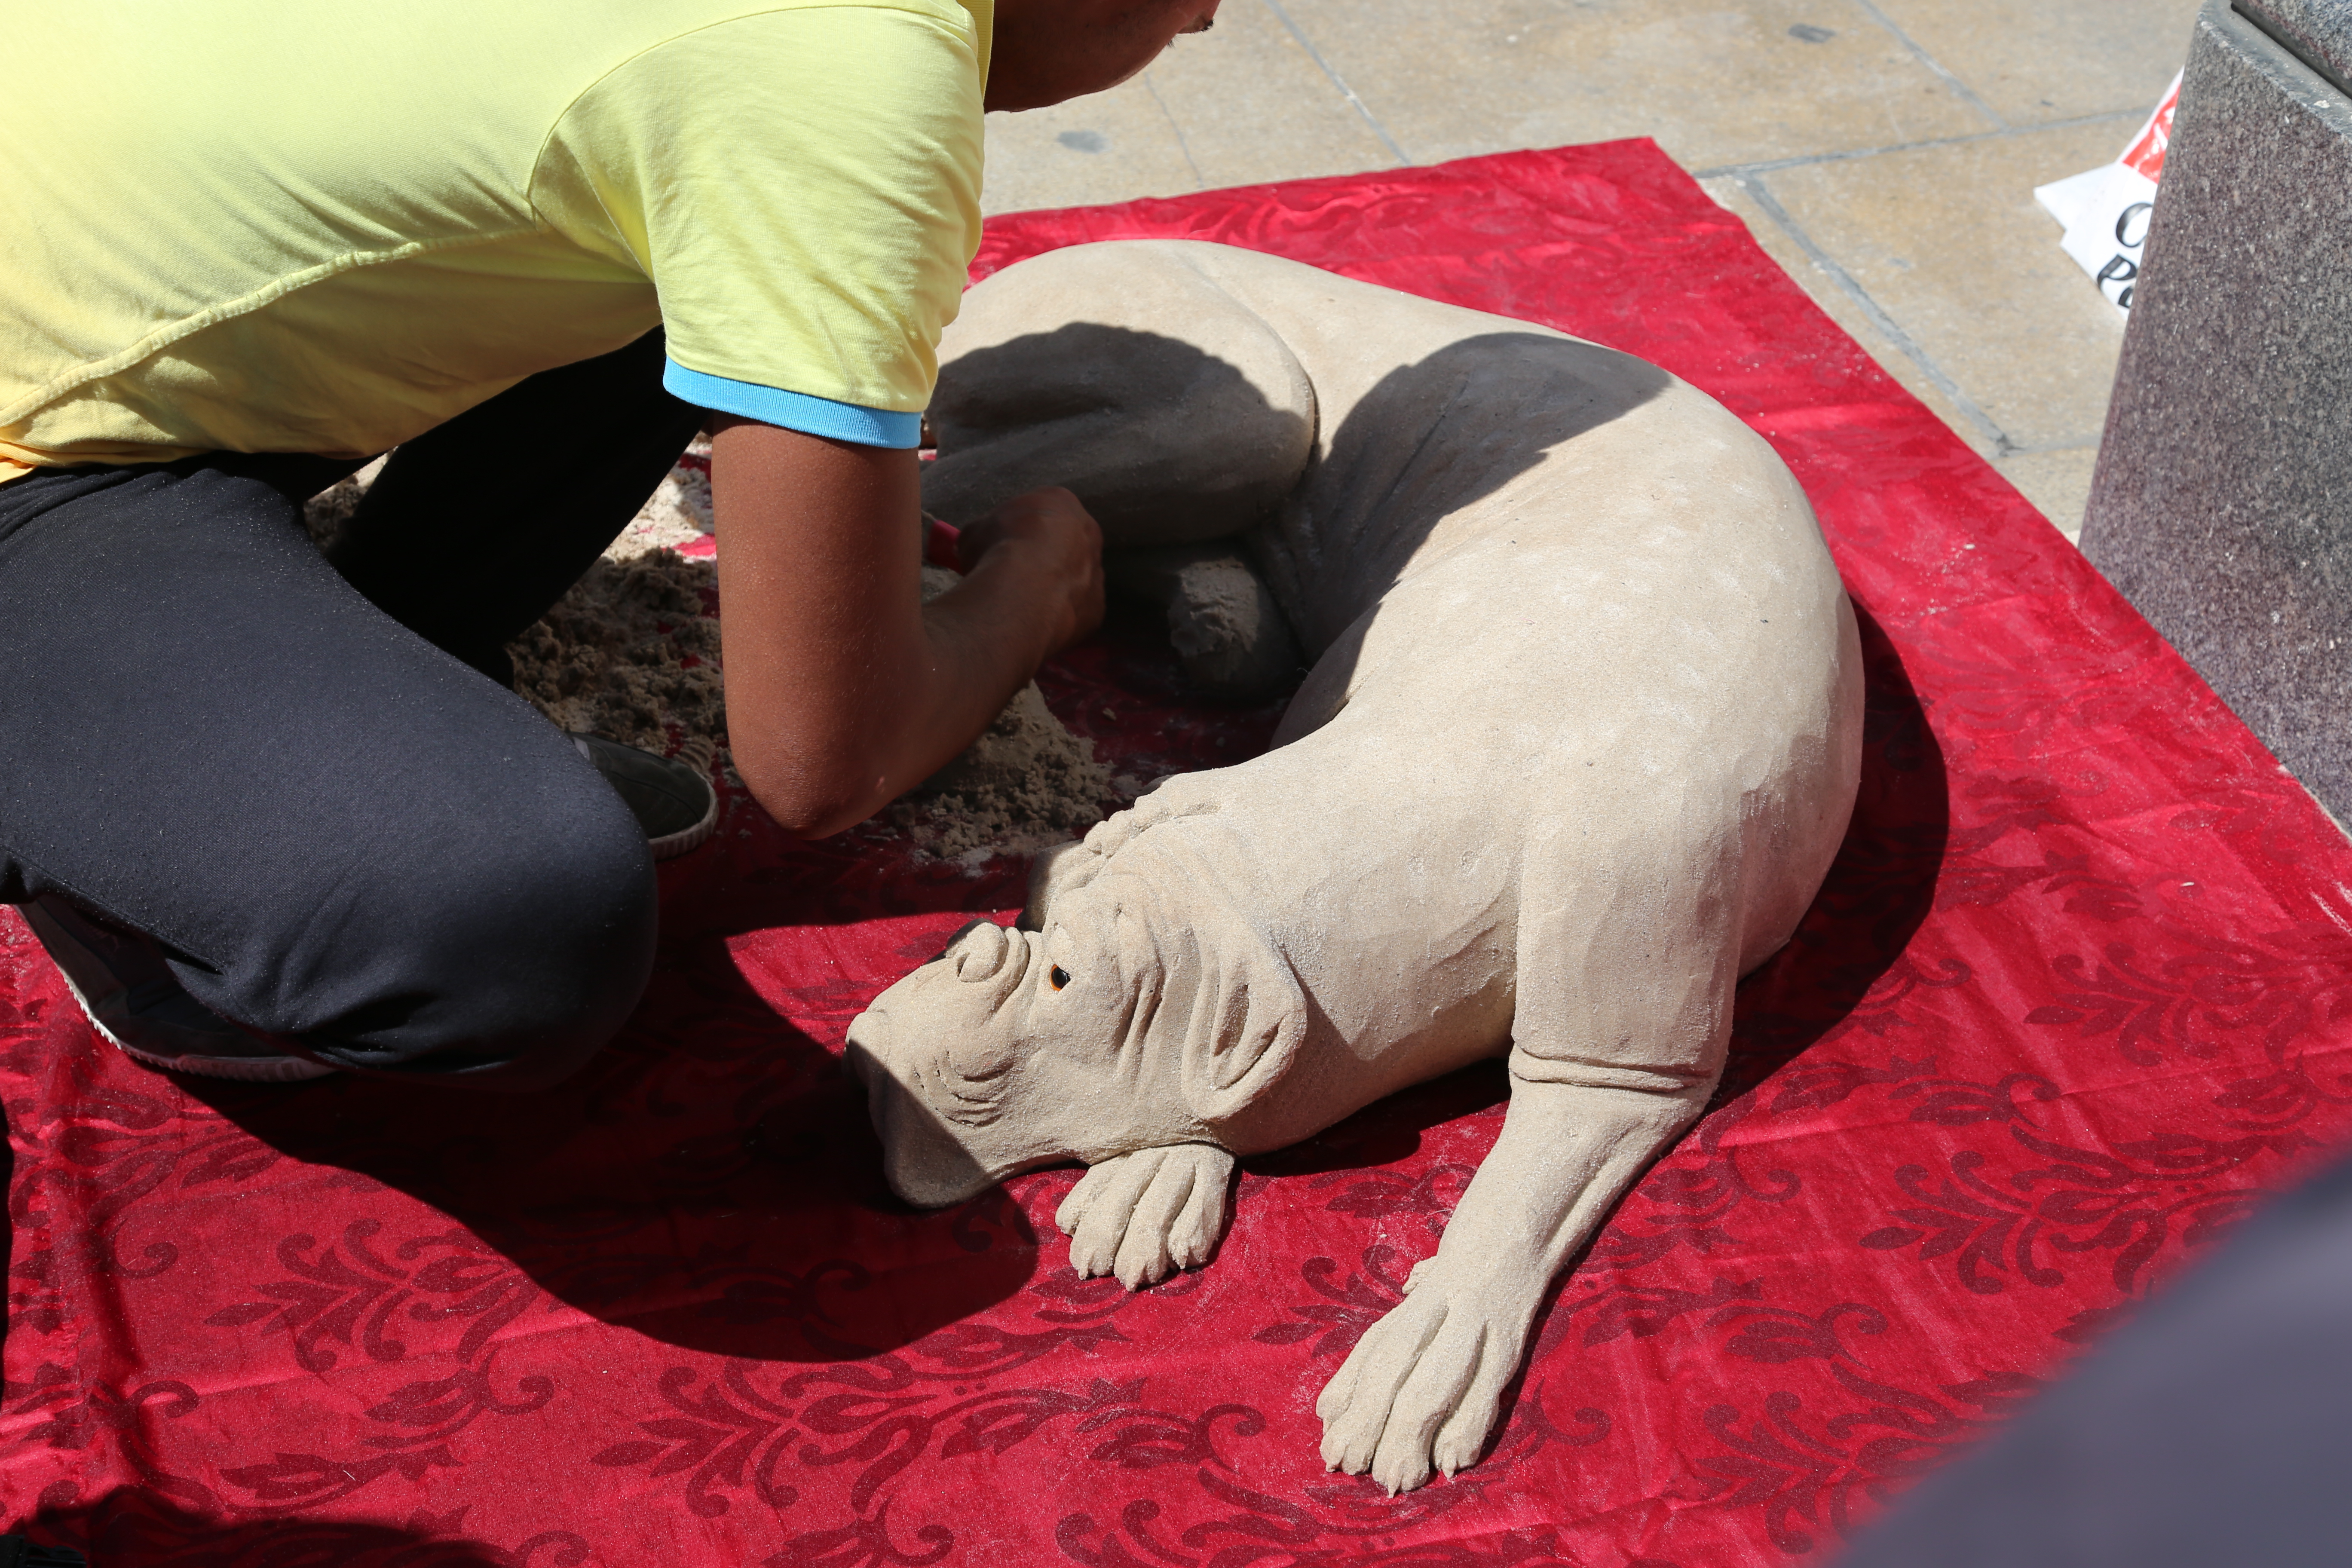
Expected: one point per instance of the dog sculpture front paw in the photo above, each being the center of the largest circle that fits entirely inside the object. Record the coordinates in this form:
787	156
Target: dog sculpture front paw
1144	1216
1422	1389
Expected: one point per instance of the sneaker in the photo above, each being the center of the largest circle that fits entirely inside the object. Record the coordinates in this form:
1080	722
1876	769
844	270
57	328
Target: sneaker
673	802
133	998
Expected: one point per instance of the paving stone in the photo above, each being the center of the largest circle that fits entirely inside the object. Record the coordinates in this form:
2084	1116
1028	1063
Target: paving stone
2057	483
1949	242
1253	105
1108	147
2222	504
1714	83
1241	104
1843	309
2034	62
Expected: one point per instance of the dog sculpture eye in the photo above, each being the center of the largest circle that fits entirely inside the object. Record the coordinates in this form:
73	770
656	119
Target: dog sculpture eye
1060	976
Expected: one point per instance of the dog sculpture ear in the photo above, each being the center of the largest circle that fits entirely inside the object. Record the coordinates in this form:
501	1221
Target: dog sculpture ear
1061	869
1248	1020
1064	869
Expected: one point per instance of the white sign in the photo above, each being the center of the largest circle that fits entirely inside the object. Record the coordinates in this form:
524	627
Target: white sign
2106	210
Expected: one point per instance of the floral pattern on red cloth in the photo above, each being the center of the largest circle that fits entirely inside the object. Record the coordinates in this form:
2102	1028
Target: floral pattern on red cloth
2073	1000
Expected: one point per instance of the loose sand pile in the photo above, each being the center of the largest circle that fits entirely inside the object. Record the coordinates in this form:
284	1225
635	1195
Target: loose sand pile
331	508
633	653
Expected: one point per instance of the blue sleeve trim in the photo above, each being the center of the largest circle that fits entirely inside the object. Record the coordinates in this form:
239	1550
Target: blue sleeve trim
793	410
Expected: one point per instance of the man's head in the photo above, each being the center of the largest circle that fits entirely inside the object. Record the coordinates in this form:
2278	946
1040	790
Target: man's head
1048	51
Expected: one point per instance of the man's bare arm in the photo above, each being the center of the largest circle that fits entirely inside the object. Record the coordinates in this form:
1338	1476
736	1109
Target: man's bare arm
843	689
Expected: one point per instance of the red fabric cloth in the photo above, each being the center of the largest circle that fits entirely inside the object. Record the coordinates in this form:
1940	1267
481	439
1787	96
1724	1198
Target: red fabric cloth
2073	998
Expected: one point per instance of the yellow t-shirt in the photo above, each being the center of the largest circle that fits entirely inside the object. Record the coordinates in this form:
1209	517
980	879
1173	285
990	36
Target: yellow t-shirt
326	227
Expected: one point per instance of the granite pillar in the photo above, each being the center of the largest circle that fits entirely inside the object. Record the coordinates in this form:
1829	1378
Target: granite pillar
2222	504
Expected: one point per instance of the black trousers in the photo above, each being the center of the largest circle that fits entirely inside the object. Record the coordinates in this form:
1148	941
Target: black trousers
309	780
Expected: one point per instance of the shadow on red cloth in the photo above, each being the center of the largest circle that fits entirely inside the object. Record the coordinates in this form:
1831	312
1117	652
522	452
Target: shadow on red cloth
696	1239
130	1528
1879	890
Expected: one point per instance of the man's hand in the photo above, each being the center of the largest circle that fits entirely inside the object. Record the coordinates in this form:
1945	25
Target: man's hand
843	689
1048	533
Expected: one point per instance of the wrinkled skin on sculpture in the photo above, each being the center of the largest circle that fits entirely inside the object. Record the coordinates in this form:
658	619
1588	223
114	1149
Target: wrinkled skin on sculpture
1580	738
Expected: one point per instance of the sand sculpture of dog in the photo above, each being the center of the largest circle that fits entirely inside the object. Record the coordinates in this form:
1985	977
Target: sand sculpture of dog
1580	738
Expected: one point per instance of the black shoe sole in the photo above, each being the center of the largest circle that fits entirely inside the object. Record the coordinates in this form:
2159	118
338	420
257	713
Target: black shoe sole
662	792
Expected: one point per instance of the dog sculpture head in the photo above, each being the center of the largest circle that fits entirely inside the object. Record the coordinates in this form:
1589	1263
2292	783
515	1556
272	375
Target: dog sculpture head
1134	1018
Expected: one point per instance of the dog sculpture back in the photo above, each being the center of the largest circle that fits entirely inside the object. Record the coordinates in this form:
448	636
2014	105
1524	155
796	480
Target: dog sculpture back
1580	738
